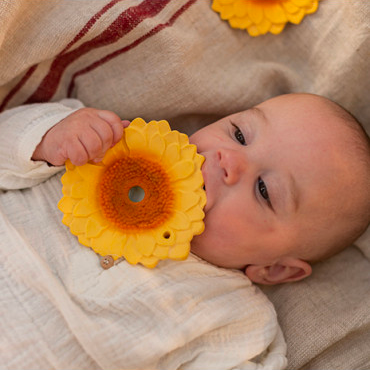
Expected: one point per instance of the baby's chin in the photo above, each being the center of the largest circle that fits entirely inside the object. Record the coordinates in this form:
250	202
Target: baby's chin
202	249
197	247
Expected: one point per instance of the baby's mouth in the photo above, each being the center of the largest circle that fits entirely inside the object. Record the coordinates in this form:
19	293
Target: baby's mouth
204	173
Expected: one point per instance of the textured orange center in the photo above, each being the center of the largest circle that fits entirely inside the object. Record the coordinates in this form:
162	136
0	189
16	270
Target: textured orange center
119	178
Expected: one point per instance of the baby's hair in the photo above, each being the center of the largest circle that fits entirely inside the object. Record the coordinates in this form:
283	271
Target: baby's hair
358	147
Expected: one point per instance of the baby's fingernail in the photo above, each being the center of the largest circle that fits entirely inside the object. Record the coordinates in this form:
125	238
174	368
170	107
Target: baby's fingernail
125	122
97	160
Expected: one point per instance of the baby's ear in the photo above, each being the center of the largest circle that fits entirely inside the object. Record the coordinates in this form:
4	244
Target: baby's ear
285	270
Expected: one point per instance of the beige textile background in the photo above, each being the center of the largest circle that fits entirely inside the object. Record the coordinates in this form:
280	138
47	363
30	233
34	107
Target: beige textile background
192	70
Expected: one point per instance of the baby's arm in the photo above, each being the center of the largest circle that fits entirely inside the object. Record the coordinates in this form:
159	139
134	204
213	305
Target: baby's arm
82	136
21	130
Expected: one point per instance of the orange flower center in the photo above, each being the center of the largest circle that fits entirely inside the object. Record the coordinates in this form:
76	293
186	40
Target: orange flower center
114	195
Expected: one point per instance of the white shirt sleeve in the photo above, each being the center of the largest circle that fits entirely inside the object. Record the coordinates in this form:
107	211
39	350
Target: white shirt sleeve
21	130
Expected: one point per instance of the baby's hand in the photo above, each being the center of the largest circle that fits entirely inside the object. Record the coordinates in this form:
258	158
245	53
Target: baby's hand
82	136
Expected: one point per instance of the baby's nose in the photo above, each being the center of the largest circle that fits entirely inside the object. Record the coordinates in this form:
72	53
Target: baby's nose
233	165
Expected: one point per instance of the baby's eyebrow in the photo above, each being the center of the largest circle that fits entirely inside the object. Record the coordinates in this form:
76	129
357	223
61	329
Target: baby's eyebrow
259	114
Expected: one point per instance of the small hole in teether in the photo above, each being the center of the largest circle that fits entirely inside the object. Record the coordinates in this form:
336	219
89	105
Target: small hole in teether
136	194
166	234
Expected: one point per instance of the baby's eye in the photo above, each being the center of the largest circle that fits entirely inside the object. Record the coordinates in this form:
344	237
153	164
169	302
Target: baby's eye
239	135
263	189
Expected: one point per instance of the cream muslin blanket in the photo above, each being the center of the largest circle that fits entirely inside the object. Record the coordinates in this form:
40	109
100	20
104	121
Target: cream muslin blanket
177	60
61	310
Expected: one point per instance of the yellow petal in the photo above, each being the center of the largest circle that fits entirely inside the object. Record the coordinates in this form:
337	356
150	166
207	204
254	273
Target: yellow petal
83	240
67	204
191	183
264	26
179	252
110	243
183	140
78	225
69	165
79	189
241	23
312	7
216	6
183	236
275	13
227	12
203	198
135	139
90	171
185	200
277	28
121	148
171	137
67	219
255	13
179	221
171	154
188	151
129	251
290	7
70	177
94	227
152	128
161	252
253	30
297	17
199	160
163	127
149	262
111	156
157	145
137	123
67	189
84	208
181	170
197	227
145	244
195	214
301	3
240	8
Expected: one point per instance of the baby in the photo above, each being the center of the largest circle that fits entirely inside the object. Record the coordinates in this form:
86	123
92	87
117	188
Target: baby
287	181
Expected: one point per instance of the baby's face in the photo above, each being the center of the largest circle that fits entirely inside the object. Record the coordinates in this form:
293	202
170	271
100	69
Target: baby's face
274	178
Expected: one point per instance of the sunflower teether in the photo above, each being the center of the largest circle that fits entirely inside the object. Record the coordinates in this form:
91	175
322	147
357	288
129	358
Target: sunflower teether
144	201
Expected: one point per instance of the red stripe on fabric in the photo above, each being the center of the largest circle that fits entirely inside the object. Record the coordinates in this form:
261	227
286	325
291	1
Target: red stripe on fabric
89	24
17	87
79	35
108	57
123	24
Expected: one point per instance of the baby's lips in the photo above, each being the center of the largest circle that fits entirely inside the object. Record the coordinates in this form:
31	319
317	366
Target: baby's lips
204	174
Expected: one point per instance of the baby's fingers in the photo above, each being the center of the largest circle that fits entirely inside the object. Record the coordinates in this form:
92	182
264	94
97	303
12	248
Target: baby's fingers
77	153
115	124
